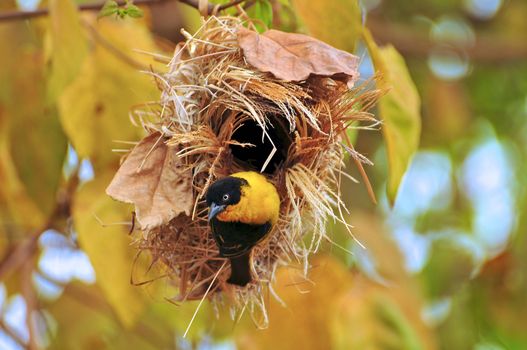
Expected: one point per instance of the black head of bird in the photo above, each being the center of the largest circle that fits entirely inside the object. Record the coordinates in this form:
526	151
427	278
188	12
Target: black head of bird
243	208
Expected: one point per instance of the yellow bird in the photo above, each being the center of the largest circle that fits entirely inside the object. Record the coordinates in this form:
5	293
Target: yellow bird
243	208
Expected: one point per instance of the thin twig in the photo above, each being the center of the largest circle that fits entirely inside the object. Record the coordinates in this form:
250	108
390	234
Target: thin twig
362	172
487	48
202	299
21	15
30	298
18	254
12	334
16	257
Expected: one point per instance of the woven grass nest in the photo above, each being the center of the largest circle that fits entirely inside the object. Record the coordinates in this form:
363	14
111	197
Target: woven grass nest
235	100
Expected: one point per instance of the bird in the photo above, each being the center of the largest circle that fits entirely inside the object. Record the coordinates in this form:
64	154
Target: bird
243	209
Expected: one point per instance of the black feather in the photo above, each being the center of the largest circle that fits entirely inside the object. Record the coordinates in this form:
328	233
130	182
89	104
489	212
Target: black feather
240	270
228	185
235	241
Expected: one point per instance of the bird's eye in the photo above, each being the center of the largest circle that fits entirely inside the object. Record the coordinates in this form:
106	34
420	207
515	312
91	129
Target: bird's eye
226	197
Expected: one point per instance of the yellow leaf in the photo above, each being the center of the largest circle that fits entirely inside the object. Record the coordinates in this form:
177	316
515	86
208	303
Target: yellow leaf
108	247
178	317
399	110
191	18
336	22
341	309
68	45
37	143
368	318
94	109
81	319
304	322
21	214
85	322
32	142
389	314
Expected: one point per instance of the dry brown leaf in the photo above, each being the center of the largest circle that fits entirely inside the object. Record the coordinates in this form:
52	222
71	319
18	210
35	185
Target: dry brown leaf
153	179
294	57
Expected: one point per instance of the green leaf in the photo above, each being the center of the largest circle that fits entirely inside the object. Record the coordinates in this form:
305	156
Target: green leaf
134	11
191	18
399	110
108	247
110	8
68	46
453	261
336	22
262	10
121	13
265	12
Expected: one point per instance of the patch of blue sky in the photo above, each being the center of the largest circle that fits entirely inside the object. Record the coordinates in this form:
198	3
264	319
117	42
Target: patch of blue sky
366	69
46	289
436	311
448	64
15	316
28	5
483	9
3	295
71	161
64	265
487	179
86	172
426	185
414	246
8	343
60	261
453	30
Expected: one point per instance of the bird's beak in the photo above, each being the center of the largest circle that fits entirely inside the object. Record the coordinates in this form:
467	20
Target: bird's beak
215	210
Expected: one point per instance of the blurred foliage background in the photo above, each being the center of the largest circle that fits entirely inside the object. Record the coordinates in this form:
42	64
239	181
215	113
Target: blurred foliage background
443	268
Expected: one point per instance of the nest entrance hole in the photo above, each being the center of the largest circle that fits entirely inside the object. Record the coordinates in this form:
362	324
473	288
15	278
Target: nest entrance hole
254	157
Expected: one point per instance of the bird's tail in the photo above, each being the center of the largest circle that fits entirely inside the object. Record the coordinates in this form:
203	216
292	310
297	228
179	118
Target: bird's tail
240	270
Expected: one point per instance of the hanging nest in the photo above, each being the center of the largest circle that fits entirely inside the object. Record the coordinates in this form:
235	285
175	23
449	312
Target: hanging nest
234	100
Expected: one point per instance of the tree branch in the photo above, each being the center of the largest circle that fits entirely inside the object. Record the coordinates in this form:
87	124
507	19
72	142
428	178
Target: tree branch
21	15
30	297
21	252
11	333
410	42
16	257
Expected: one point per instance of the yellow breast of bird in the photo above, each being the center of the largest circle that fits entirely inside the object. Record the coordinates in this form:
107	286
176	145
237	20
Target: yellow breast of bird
259	203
